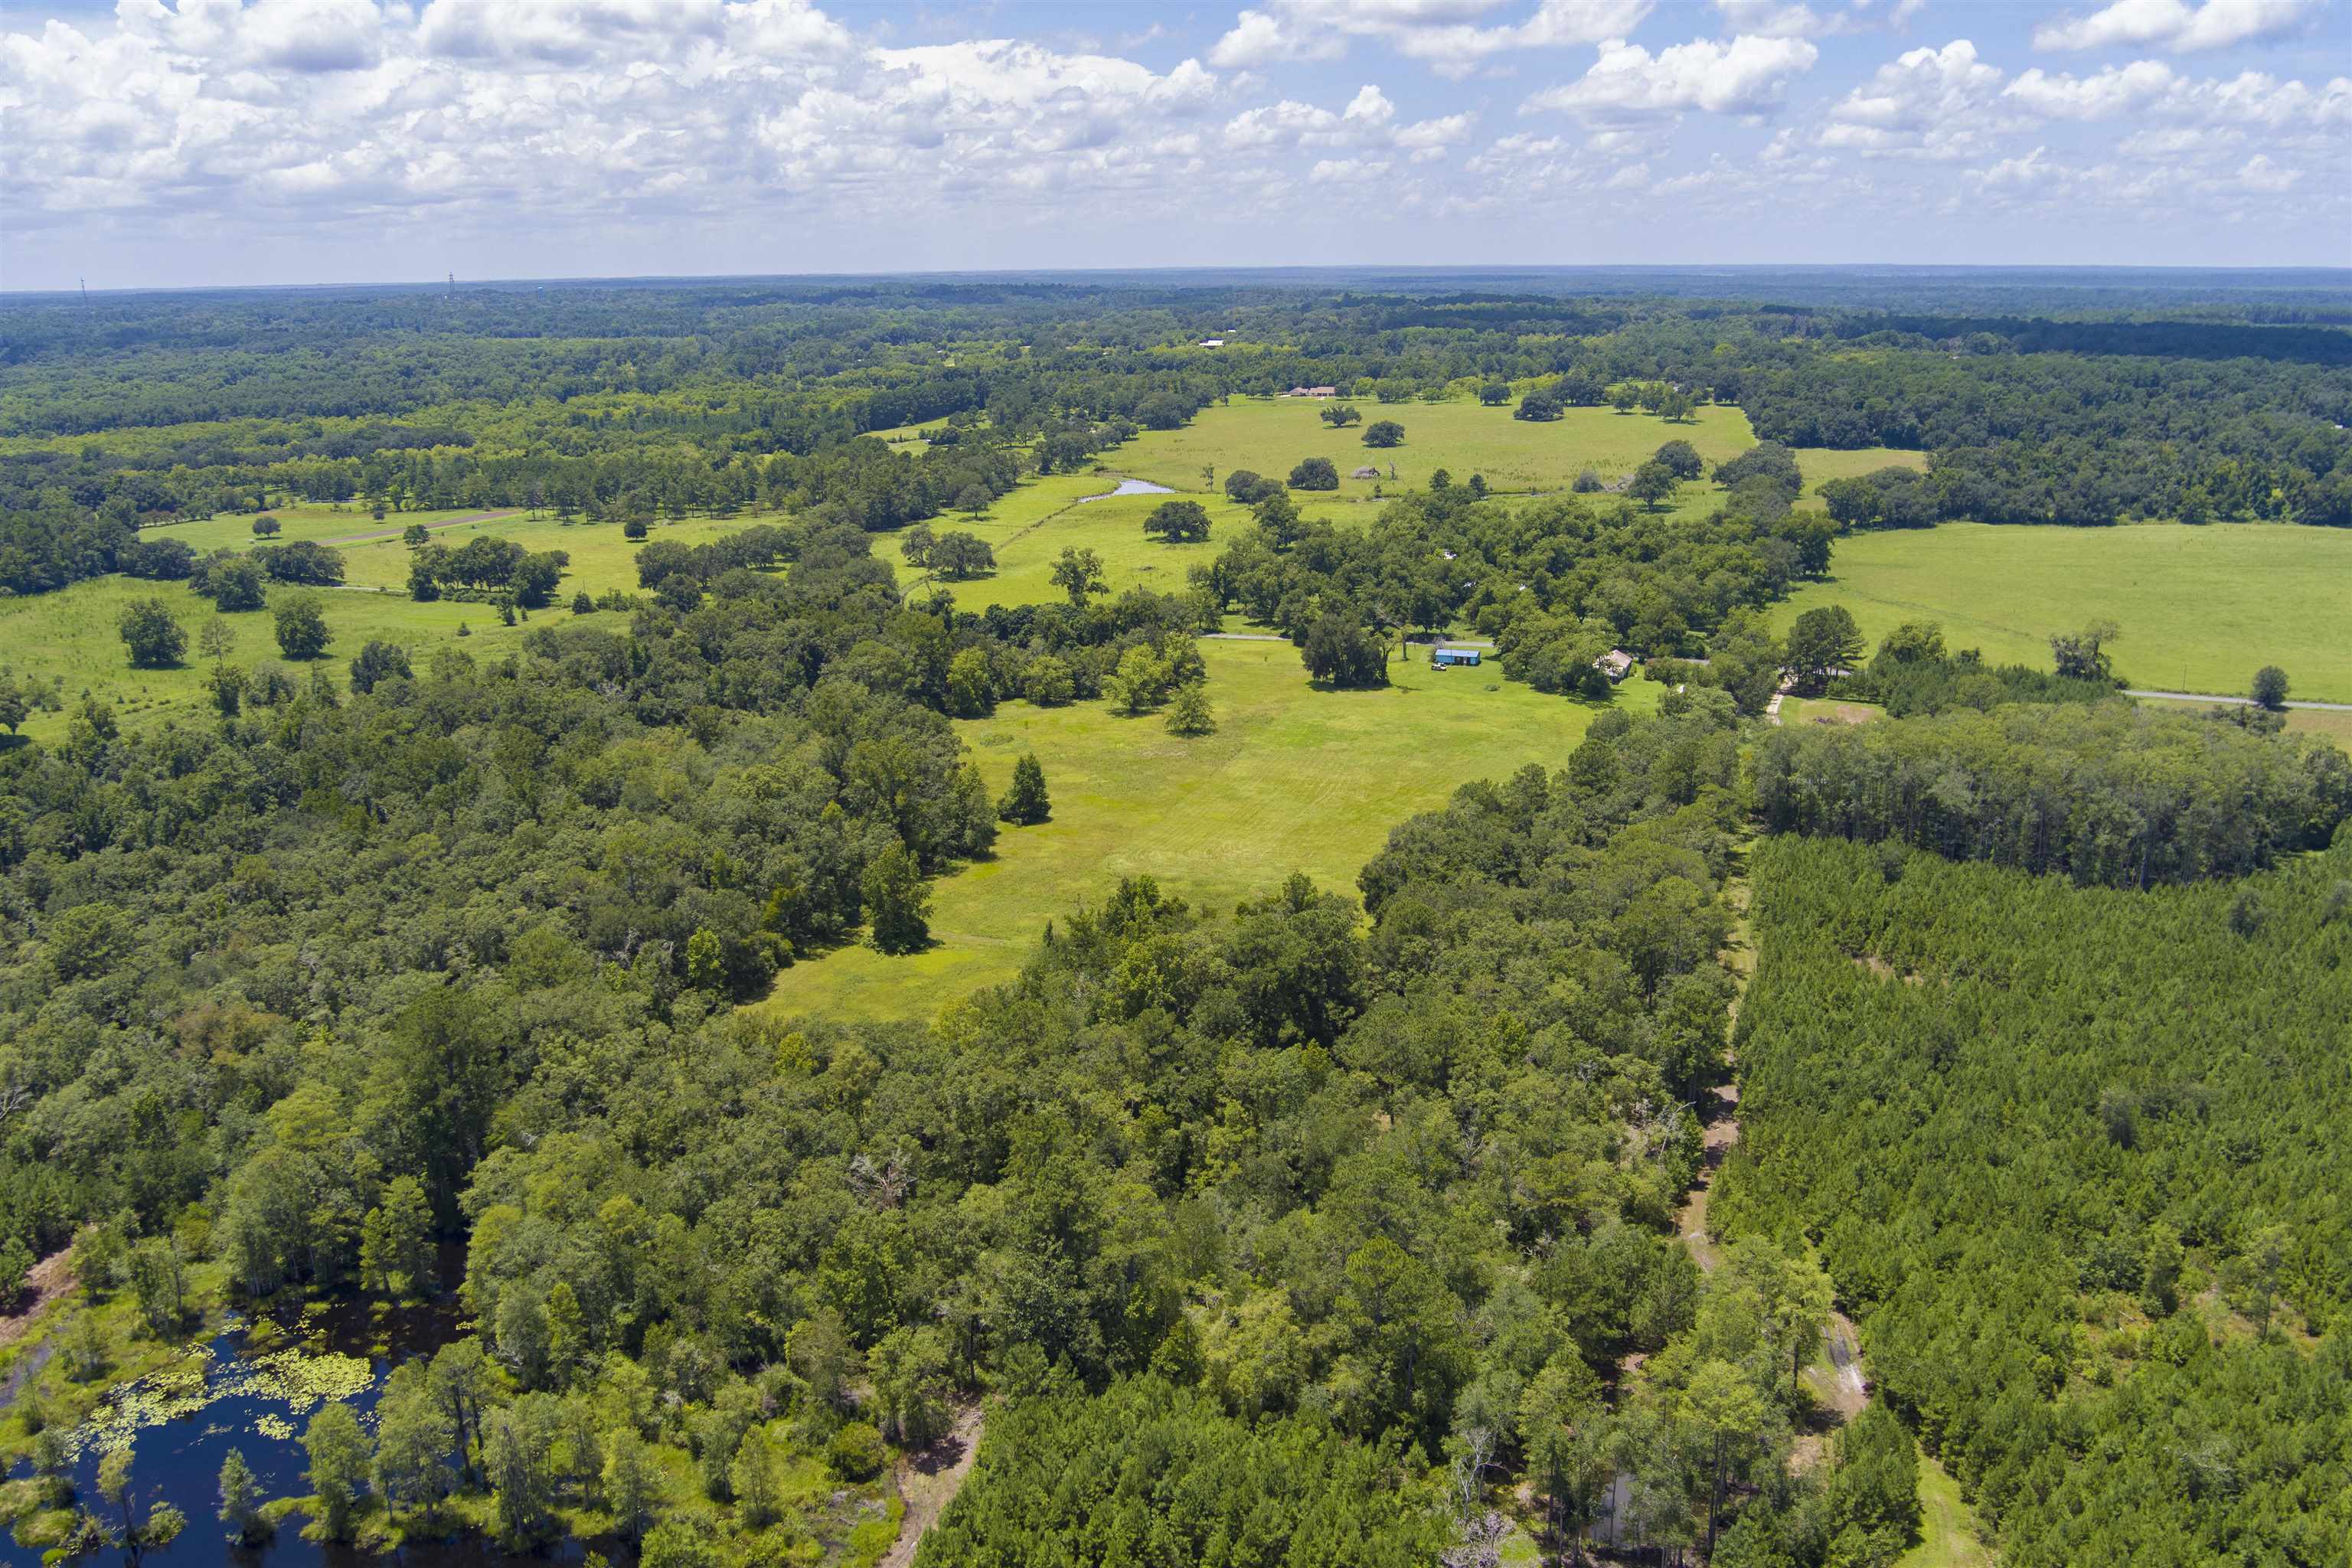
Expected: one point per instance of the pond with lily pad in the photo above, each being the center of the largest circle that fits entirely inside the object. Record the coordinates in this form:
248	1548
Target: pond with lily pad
252	1386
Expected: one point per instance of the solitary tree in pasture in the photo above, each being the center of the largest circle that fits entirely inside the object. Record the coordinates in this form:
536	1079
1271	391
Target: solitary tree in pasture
302	630
1027	802
1188	711
898	905
1314	474
1652	483
1179	521
1078	574
154	638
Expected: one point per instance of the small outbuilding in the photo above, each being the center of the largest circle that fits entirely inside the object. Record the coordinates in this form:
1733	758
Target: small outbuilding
1447	657
1211	344
1616	664
1366	472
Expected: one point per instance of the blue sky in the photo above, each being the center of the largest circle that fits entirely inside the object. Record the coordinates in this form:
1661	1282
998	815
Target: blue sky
214	142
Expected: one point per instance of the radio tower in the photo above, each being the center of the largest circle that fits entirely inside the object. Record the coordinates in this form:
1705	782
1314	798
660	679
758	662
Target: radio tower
453	285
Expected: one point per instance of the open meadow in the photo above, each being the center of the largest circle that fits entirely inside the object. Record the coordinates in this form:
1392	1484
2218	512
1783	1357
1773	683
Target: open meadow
1269	434
69	635
1030	528
1293	780
2201	608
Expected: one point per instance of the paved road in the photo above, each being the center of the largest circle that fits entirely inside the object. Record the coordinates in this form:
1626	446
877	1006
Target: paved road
2236	701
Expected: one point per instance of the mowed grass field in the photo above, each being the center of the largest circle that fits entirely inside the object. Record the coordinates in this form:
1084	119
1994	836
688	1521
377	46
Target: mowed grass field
2201	608
1294	780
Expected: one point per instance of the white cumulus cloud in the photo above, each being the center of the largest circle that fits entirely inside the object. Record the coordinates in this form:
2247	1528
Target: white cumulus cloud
1453	35
1747	75
2176	25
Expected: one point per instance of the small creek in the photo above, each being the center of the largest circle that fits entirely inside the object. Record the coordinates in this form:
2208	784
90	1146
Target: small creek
252	1387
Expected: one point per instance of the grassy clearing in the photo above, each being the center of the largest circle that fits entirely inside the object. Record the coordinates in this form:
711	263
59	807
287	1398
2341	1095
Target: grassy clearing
70	635
2201	608
1819	710
1948	1536
1294	780
1269	434
1819	464
602	557
2336	727
1029	528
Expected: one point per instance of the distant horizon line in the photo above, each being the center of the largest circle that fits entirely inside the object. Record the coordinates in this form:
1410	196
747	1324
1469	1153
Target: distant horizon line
1440	269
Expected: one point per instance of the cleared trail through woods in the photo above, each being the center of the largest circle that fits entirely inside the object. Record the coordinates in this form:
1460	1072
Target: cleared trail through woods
930	1480
1847	1391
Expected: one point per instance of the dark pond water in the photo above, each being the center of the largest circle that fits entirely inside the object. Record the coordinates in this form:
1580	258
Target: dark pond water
252	1388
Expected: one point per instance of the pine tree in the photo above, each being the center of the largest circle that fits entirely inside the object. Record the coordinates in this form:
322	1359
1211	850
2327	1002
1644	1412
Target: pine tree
1025	803
631	1488
240	1500
753	1479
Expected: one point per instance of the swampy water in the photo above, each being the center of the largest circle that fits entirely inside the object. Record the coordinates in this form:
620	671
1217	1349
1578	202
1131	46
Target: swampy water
253	1387
1132	488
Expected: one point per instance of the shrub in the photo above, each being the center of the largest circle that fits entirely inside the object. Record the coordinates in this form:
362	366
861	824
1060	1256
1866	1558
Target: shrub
857	1452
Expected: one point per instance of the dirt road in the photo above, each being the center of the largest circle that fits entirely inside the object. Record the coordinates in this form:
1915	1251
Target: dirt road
929	1481
431	527
51	1278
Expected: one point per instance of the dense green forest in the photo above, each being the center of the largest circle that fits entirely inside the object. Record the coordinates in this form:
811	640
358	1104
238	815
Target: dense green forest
2076	1159
1337	1225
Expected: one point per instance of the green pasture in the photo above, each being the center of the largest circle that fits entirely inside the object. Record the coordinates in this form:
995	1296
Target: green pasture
1029	528
70	635
1270	435
375	556
2201	608
339	523
1294	779
1819	464
2336	727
